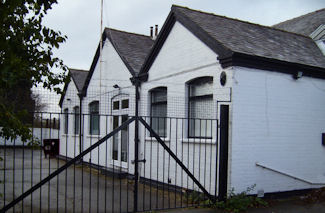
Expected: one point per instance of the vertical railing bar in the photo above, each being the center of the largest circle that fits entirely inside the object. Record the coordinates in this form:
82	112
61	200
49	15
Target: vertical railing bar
98	175
40	204
14	161
182	172
90	154
194	158
210	164
82	165
200	145
163	167
66	159
188	161
120	170
128	167
74	165
22	176
32	166
136	143
150	200
205	154
144	168
217	153
113	162
49	189
170	134
120	158
57	183
105	194
4	173
176	141
157	196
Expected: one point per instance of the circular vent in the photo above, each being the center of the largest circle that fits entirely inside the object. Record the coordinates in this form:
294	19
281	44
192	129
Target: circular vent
223	78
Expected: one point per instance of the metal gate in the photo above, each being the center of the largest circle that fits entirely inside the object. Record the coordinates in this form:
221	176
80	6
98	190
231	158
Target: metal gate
158	167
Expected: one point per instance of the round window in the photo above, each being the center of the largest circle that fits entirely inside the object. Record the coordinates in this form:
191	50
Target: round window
223	78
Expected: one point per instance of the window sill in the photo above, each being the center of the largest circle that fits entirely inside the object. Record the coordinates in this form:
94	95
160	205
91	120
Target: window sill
153	139
94	136
198	140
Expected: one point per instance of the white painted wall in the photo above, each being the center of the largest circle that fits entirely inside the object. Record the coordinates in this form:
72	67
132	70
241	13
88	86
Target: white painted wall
113	71
69	143
274	120
277	121
182	58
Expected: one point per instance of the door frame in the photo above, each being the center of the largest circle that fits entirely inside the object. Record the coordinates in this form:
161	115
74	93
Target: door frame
120	112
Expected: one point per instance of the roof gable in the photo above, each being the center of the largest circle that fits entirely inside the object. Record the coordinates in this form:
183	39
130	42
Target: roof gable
241	43
132	49
78	77
305	24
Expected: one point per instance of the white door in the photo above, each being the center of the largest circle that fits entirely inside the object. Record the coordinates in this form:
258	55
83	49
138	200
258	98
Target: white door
120	139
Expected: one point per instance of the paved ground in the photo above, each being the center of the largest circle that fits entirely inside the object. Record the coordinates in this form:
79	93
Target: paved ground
81	189
78	189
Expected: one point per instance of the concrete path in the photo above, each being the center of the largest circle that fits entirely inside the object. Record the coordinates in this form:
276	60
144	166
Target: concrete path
77	189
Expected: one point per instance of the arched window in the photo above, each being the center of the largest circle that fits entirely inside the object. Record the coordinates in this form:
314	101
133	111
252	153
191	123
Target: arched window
158	111
76	111
66	120
94	118
200	110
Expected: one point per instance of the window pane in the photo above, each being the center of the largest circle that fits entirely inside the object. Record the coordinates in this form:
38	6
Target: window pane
94	118
66	121
200	107
125	104
200	87
159	95
124	140
116	105
115	138
76	120
159	111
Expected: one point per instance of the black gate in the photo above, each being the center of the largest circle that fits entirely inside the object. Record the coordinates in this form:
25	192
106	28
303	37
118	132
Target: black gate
159	167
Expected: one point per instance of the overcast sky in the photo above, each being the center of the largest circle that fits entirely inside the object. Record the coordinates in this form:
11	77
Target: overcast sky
80	19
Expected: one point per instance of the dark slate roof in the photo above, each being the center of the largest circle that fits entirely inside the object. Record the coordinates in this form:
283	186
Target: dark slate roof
132	49
78	77
240	43
305	24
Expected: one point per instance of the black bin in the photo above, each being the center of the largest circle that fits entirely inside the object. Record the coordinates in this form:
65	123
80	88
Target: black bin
51	147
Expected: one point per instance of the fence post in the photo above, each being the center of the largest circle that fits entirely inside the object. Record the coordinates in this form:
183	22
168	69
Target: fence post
136	146
223	154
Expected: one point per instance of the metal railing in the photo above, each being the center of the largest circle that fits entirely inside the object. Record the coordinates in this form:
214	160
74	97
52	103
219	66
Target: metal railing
173	171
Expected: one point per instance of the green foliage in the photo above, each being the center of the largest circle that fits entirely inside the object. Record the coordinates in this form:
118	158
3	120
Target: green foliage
195	197
26	60
35	143
241	202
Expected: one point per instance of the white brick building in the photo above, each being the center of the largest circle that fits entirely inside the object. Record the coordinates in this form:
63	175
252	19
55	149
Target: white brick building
272	80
